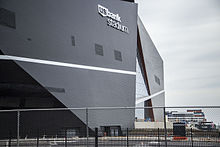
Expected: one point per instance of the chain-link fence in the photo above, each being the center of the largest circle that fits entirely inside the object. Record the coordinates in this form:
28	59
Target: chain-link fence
111	126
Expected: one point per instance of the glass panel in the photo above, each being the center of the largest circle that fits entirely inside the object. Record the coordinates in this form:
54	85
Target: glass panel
141	91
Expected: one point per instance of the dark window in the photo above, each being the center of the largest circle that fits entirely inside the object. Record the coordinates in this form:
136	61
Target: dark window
73	40
128	0
118	55
1	53
7	18
157	80
99	49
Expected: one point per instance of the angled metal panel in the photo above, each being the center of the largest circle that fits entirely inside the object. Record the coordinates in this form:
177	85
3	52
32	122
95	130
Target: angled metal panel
152	59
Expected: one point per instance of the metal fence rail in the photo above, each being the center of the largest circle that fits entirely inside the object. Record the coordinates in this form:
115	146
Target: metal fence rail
164	135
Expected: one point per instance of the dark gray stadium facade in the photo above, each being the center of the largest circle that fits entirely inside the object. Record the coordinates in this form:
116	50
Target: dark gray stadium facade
71	54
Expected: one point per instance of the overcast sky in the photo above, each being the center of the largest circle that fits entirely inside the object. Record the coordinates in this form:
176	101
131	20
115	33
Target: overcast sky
187	35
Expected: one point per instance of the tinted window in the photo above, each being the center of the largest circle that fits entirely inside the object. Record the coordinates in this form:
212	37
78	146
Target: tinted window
118	55
99	50
7	18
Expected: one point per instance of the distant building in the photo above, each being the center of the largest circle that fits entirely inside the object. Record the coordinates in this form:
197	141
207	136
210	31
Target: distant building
190	117
206	126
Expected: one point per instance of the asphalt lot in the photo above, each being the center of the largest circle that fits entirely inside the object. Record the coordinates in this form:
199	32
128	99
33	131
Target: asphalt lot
108	142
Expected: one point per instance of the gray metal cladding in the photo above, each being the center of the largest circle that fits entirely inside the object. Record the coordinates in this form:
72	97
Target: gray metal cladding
45	30
50	24
85	88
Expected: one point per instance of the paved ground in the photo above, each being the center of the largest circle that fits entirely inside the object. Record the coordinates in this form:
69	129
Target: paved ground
109	142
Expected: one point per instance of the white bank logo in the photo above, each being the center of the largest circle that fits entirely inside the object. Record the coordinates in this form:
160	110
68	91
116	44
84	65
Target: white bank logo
113	20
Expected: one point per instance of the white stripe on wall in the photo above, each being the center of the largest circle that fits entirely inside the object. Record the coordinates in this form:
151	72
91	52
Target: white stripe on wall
55	63
142	99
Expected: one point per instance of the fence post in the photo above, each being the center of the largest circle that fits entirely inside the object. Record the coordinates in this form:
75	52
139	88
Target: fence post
65	137
127	138
158	133
38	137
192	137
165	126
9	142
96	137
18	129
87	127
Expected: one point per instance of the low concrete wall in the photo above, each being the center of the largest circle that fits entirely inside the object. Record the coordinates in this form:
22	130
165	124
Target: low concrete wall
152	125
